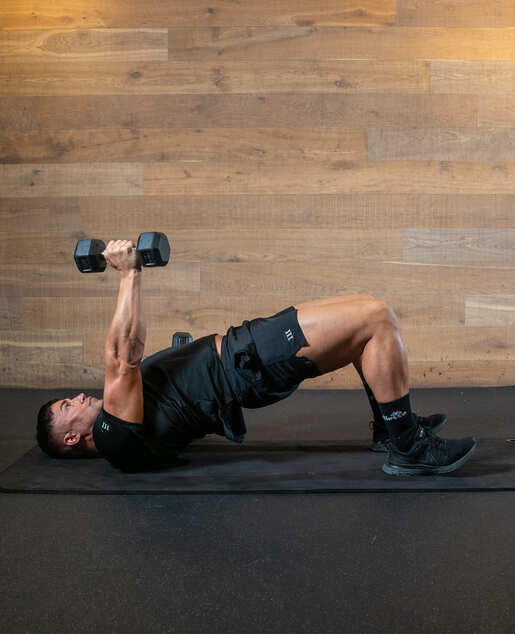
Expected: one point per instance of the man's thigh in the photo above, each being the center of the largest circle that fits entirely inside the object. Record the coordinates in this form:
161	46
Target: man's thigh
336	329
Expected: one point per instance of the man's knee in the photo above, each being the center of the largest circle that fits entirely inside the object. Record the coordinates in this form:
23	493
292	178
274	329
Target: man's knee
382	314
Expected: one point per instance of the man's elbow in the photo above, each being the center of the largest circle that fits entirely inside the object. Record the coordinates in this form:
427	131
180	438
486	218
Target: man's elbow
125	353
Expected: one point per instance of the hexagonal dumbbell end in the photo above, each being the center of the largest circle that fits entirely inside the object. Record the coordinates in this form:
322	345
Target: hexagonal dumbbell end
88	256
153	248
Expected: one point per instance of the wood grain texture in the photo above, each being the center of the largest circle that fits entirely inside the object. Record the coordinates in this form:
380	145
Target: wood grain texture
49	358
36	215
319	42
490	311
308	245
85	45
183	144
456	13
472	78
87	179
290	151
191	78
63	279
430	374
459	344
270	245
236	111
379	278
458	144
496	111
337	211
489	247
202	315
33	14
407	177
36	351
11	313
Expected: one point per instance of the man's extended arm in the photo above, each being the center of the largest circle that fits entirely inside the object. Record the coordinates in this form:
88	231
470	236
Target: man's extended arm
126	337
127	333
123	386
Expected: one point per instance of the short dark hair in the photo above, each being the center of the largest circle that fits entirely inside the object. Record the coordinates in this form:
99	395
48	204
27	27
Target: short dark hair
46	438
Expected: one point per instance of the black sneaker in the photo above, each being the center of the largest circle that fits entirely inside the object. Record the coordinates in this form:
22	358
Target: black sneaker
381	440
429	455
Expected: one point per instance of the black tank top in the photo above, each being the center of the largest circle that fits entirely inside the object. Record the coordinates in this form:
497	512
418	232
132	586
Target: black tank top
186	395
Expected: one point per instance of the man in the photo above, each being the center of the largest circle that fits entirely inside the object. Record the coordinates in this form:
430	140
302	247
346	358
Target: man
155	407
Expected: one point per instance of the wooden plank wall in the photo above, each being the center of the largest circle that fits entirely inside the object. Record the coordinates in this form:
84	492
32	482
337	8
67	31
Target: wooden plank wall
290	149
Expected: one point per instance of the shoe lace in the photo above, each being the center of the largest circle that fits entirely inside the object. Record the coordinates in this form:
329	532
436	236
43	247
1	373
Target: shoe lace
437	443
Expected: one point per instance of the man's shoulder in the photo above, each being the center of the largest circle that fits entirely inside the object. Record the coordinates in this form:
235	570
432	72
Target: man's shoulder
113	436
123	444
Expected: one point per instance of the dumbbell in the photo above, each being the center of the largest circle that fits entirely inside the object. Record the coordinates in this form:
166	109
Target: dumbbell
180	339
153	249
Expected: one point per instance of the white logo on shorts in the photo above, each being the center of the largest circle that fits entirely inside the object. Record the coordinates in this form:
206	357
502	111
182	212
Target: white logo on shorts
289	335
106	427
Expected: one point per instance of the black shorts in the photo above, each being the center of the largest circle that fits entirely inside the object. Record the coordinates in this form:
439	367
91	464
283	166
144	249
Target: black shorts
259	359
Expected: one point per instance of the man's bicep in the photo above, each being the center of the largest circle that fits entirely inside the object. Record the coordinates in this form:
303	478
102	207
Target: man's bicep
123	390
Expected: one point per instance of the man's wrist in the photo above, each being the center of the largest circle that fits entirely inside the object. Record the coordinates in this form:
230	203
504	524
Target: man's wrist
130	273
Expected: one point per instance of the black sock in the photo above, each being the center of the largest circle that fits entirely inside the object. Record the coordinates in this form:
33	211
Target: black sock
399	422
378	417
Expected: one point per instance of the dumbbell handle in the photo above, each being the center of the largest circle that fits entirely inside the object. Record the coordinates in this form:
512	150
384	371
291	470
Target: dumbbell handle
153	249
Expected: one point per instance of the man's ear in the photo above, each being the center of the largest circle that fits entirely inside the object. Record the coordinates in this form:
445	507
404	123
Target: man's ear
71	438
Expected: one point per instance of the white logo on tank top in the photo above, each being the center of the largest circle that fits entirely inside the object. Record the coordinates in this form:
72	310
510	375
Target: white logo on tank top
106	427
289	335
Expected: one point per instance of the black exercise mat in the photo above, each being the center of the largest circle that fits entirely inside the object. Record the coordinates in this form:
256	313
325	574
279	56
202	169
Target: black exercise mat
261	467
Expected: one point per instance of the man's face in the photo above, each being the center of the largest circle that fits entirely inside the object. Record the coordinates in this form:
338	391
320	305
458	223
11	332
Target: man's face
75	417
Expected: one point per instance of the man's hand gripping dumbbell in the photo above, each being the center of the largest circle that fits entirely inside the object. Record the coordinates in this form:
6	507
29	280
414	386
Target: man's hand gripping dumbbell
153	249
122	255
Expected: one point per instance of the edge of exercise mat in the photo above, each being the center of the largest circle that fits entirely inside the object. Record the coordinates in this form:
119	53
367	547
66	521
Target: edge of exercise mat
398	483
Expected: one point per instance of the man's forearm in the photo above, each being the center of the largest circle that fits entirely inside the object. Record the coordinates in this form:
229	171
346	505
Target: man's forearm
127	334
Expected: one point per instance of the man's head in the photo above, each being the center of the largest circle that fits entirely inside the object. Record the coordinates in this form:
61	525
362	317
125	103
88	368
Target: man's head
65	426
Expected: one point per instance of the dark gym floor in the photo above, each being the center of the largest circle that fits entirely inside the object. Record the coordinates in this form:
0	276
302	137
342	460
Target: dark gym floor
371	562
